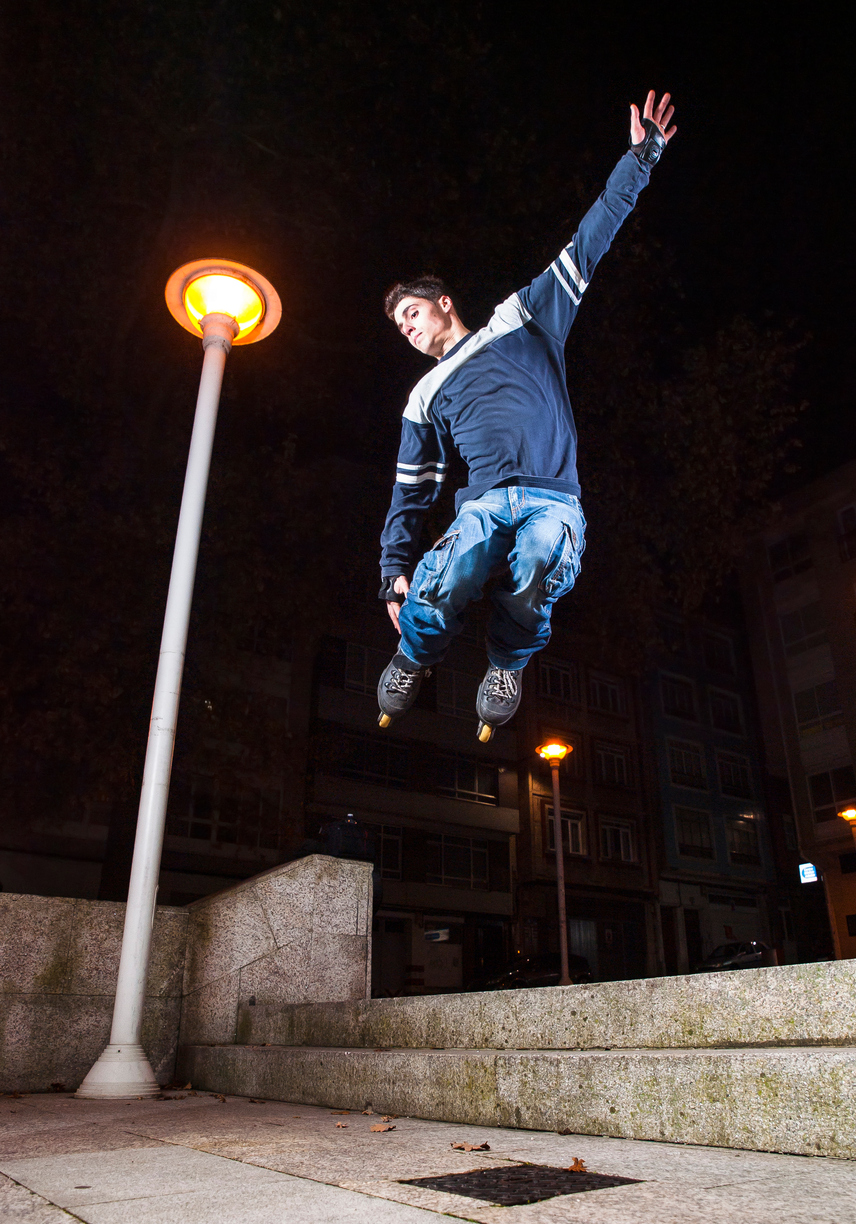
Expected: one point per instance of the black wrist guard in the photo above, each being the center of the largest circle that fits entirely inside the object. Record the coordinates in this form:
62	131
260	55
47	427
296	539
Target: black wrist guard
387	592
650	149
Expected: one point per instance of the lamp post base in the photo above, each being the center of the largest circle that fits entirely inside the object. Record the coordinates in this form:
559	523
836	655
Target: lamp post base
123	1072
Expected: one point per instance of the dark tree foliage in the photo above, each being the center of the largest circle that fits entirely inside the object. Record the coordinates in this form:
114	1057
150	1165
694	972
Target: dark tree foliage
335	147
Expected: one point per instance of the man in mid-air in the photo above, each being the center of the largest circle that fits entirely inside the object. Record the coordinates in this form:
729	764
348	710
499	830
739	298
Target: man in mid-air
500	397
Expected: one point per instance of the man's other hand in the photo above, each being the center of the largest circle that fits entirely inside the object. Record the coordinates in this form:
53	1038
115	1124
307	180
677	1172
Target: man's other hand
401	586
660	116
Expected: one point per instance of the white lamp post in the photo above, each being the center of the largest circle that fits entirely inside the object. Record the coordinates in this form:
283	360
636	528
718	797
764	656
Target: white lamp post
554	752
225	303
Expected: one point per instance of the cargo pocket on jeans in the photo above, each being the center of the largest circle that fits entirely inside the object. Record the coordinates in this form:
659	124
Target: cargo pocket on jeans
435	564
562	566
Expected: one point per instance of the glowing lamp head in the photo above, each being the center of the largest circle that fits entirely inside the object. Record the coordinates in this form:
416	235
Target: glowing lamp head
554	750
221	286
849	814
219	294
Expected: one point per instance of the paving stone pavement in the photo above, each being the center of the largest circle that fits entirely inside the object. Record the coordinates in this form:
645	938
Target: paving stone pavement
202	1159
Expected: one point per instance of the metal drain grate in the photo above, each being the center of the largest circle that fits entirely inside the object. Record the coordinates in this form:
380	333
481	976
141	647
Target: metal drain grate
514	1185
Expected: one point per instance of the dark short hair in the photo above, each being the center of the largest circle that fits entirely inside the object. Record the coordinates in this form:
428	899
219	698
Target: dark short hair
430	287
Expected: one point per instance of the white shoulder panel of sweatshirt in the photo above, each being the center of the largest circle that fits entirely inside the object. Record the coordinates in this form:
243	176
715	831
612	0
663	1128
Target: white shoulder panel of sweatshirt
508	317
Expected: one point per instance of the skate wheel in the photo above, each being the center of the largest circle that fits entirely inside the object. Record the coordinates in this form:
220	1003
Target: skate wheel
485	732
383	720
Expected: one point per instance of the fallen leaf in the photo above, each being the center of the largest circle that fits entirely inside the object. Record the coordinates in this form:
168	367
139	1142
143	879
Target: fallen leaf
257	1101
471	1147
388	1117
567	1131
340	1111
220	1097
342	1125
366	1112
577	1166
378	1126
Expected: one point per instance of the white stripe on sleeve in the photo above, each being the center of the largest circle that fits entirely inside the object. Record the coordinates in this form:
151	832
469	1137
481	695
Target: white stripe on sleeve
573	270
554	268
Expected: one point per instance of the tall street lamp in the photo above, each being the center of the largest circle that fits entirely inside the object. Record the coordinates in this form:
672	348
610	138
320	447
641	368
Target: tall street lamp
554	752
225	303
849	814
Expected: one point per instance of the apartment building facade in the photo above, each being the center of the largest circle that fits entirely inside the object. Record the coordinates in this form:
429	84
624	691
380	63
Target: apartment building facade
799	588
722	879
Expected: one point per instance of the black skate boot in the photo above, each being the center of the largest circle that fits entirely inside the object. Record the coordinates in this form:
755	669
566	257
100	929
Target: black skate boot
398	687
498	698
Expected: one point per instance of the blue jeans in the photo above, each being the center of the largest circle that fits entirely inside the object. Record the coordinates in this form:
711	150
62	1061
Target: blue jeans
532	538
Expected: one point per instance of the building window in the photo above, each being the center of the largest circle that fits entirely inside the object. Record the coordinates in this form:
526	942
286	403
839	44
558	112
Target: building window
734	777
787	924
678	697
612	765
369	759
363	666
814	704
208	811
743	848
831	791
686	765
462	778
692	826
789	557
456	692
718	653
456	862
387	841
606	695
847	533
725	712
851	924
617	840
803	629
558	680
573	831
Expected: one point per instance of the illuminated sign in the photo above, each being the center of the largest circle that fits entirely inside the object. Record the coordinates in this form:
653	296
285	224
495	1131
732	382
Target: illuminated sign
808	873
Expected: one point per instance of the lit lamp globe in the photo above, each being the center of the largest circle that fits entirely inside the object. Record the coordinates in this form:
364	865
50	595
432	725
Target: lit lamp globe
849	814
554	751
220	291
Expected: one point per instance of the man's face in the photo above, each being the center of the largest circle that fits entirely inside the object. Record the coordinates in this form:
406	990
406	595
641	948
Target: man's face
425	324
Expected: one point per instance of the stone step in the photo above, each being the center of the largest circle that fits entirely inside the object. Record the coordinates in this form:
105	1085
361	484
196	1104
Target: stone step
790	1099
791	1005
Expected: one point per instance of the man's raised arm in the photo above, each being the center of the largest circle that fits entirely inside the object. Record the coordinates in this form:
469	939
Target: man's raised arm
554	297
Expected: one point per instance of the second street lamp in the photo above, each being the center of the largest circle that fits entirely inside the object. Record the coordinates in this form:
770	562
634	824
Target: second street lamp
849	814
225	303
554	752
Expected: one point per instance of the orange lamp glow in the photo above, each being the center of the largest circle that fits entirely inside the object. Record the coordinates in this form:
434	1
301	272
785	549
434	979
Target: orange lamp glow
849	814
219	294
221	286
554	750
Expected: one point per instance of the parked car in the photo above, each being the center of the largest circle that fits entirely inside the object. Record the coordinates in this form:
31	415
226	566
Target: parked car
540	970
750	955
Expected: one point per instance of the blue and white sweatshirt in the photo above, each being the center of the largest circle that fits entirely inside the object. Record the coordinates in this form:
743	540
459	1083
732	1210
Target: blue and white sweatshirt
500	395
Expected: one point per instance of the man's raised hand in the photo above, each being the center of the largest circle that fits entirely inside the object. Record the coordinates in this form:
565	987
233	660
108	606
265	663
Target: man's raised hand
660	116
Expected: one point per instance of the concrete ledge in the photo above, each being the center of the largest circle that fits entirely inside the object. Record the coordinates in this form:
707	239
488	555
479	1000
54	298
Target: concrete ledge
791	1005
801	1101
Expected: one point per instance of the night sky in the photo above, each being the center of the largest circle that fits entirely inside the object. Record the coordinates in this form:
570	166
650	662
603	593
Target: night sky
337	148
751	200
